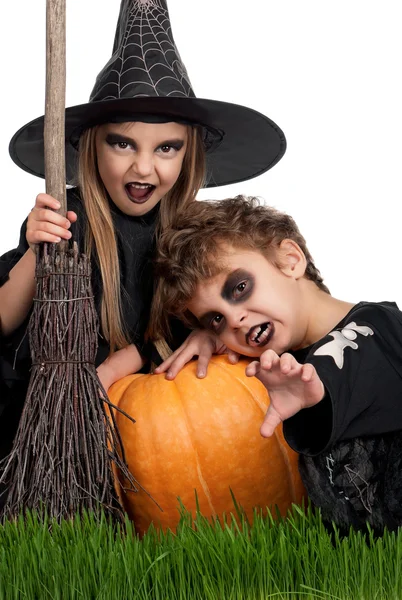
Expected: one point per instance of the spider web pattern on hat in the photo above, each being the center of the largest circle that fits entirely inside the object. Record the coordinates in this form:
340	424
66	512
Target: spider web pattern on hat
145	60
145	80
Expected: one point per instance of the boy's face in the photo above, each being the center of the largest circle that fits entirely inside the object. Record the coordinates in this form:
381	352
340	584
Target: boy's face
253	305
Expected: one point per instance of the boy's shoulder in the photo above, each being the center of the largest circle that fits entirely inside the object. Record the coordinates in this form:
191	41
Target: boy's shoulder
379	314
380	322
370	326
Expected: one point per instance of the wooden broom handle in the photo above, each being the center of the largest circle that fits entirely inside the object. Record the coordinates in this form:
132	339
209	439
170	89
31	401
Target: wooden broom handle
54	129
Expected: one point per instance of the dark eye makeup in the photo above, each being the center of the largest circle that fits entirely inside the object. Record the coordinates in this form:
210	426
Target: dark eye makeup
238	286
175	144
217	322
212	321
114	139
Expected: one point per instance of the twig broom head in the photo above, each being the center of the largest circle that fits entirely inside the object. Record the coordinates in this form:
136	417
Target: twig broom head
62	456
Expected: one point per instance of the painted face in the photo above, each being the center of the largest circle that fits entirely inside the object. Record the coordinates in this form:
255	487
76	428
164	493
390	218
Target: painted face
252	306
140	162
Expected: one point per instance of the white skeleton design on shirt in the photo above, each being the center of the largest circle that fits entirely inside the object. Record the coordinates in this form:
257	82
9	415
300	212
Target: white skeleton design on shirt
343	339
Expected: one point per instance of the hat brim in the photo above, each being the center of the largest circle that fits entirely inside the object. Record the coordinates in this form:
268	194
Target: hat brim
251	142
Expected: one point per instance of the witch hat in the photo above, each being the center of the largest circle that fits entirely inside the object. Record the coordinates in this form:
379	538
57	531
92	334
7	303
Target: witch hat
145	80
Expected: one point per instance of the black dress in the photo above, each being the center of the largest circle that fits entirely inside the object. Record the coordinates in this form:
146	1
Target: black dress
135	245
351	442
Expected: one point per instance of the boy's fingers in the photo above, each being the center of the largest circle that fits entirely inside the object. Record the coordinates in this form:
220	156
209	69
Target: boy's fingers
253	368
270	423
166	363
196	345
177	365
184	355
290	365
269	359
221	349
286	362
203	362
233	357
308	372
317	388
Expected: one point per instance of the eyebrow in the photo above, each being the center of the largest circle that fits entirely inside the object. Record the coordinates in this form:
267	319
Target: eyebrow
118	138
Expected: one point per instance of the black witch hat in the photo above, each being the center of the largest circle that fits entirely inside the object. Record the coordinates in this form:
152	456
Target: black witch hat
145	80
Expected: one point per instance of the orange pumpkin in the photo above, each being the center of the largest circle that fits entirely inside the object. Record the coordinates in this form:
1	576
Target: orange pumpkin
201	434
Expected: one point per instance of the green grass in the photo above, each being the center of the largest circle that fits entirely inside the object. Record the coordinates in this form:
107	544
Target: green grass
290	559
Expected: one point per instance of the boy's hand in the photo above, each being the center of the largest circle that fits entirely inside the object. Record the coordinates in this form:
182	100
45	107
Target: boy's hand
291	387
199	343
45	225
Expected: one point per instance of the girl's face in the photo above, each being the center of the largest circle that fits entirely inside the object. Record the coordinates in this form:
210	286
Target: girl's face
140	162
253	305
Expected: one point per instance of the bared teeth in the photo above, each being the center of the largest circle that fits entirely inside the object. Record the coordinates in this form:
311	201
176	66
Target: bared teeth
140	186
264	336
256	333
260	333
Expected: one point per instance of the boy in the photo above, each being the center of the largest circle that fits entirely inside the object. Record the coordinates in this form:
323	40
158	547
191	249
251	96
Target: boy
333	369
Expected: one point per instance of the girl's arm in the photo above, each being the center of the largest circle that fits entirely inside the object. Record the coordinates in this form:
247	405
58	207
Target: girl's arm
17	293
121	363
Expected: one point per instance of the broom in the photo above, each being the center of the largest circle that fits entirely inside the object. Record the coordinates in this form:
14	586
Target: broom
67	445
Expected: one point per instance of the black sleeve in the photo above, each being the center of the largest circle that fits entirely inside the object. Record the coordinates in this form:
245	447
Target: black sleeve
10	258
360	365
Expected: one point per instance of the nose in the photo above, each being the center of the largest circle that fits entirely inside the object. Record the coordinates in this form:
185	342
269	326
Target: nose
143	164
237	318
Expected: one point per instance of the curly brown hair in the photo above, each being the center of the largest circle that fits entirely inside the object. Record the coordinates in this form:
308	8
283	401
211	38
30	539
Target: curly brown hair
190	251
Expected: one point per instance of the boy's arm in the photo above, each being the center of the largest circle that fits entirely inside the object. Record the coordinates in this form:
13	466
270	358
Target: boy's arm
360	366
121	363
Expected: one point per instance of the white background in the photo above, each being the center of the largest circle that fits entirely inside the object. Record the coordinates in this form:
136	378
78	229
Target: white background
328	73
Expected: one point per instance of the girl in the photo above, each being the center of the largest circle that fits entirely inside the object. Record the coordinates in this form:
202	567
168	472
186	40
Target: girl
135	155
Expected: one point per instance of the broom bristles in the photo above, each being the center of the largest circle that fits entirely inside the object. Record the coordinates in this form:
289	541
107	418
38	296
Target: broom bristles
62	456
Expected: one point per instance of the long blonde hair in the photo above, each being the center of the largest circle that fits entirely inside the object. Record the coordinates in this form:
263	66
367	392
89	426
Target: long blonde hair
101	235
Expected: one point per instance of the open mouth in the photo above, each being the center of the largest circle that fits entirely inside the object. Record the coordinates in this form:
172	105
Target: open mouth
139	192
260	335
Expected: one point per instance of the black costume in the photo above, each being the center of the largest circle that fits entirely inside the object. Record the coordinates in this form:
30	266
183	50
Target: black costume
351	441
135	245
